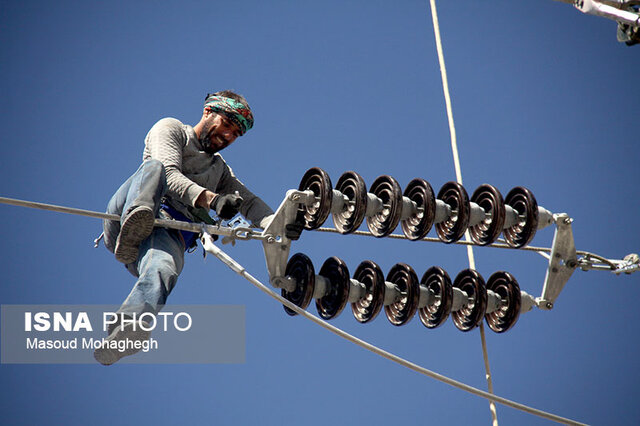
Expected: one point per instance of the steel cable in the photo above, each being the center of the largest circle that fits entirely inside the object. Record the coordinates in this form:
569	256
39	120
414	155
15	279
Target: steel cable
236	267
210	247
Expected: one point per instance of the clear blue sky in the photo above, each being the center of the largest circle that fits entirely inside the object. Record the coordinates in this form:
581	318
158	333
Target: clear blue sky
543	97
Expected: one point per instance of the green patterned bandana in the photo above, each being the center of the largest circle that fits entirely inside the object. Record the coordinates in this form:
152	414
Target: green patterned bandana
238	113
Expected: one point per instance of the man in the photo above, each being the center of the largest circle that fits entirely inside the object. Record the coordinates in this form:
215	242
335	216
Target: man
181	177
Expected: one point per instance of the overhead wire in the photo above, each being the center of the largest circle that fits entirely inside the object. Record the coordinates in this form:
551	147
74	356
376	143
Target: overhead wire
239	269
164	223
458	169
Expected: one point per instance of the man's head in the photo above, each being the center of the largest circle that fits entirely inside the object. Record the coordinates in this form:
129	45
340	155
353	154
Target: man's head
226	116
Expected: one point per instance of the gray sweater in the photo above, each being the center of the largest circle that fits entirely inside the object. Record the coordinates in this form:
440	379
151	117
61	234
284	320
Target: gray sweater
190	170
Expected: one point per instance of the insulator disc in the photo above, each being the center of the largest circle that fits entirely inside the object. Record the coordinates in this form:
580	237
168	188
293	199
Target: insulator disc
522	201
470	315
418	225
491	201
388	190
300	268
318	181
336	271
453	228
368	307
353	187
504	285
437	281
404	308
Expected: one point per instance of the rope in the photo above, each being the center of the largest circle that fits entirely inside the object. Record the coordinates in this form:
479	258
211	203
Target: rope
240	270
456	161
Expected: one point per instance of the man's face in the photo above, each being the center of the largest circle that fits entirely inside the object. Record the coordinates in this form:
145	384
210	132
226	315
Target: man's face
218	132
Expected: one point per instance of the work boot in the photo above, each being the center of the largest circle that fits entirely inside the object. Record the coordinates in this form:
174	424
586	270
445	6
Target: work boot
130	333
136	226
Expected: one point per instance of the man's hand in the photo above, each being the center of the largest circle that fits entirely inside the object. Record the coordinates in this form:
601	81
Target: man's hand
205	199
226	205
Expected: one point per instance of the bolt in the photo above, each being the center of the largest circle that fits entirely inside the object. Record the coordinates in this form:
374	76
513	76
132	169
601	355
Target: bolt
568	220
270	240
549	305
572	263
277	282
295	197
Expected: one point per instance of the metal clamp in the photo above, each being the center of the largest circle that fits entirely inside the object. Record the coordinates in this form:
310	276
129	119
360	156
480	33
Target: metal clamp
628	265
562	262
274	240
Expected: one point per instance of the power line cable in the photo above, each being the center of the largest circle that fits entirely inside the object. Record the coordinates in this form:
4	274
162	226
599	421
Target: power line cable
239	269
458	168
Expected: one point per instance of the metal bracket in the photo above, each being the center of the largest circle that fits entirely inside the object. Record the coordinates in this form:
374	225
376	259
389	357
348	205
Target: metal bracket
562	262
275	243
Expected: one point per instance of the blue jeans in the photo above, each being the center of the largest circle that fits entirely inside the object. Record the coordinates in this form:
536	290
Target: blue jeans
161	255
